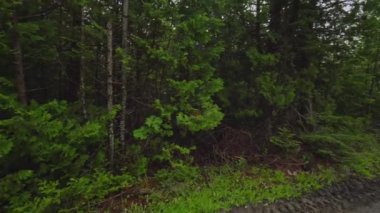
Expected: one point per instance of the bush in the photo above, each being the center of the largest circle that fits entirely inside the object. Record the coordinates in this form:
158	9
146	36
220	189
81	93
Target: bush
286	141
344	140
180	173
78	194
43	155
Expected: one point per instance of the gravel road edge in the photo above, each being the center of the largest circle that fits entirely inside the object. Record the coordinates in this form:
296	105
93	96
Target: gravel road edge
347	196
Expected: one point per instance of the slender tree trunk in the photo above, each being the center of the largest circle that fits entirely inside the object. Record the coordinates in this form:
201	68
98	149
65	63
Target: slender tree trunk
373	73
111	134
19	66
258	24
124	78
72	68
60	58
275	23
82	86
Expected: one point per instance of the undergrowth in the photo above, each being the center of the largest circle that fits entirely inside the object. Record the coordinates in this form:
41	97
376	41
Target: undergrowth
216	188
228	186
70	173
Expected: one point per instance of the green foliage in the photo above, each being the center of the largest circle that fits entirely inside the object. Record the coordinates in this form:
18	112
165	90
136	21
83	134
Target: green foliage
6	146
260	60
194	119
339	146
191	67
228	187
139	167
177	156
365	163
205	117
186	104
169	150
329	122
308	182
344	139
180	170
339	137
179	173
31	130
153	126
80	193
13	188
44	145
286	141
274	92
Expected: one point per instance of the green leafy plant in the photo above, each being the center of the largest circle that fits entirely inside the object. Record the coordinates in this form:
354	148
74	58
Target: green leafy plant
44	142
79	194
228	186
139	162
339	137
277	94
286	141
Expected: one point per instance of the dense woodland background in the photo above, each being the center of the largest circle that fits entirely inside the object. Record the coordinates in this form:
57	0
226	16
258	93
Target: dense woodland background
95	95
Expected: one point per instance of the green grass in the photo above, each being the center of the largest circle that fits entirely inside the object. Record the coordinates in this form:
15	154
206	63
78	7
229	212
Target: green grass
229	187
239	184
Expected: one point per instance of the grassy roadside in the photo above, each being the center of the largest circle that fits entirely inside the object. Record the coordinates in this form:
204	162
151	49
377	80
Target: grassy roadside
230	187
239	184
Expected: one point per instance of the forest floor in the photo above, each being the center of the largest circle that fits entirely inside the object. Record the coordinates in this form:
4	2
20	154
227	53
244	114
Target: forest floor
273	184
255	188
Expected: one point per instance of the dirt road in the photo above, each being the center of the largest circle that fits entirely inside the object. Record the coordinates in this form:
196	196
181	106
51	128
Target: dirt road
371	208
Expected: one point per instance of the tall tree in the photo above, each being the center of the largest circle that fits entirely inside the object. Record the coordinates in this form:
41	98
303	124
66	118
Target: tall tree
124	76
111	135
19	64
82	87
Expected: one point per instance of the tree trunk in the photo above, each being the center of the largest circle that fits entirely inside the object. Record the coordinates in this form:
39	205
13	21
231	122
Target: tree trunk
19	66
111	134
258	24
82	86
124	78
275	24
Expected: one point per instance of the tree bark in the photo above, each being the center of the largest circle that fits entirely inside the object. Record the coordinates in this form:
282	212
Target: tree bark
275	24
19	66
111	134
124	77
82	86
258	24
